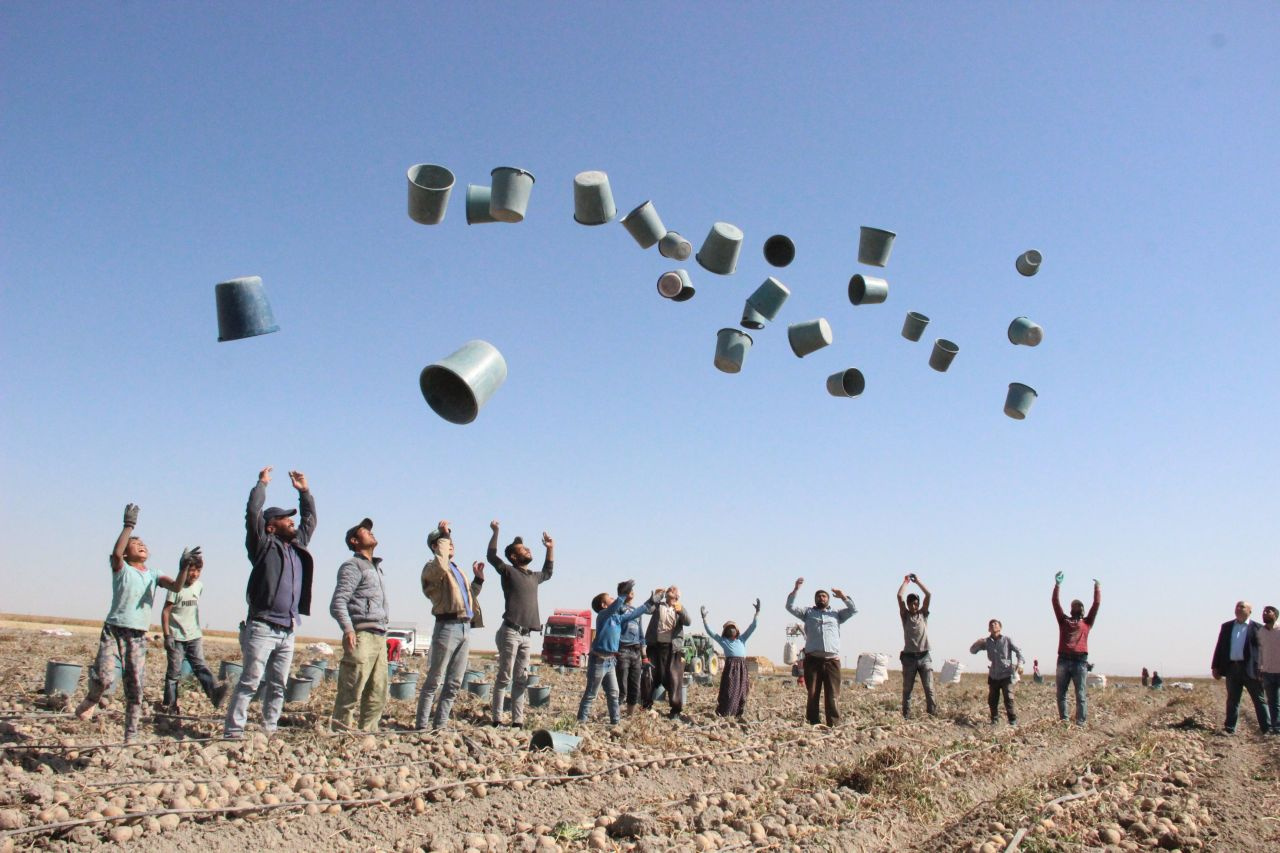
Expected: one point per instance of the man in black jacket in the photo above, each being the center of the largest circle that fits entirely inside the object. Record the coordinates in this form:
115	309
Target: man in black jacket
665	640
1235	658
278	594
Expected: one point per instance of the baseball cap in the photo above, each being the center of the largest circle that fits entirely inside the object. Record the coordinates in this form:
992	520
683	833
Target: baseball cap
271	513
367	524
435	536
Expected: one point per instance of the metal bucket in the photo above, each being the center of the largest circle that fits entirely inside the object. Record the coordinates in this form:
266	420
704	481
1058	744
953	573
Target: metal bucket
403	690
944	352
509	195
61	677
539	695
559	741
644	225
229	671
297	690
243	309
429	188
779	250
458	386
592	199
874	246
913	327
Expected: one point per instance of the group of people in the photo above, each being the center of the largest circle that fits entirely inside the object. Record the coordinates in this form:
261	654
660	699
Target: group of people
622	653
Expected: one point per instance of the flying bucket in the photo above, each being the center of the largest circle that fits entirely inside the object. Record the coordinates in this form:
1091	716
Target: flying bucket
457	387
944	352
429	188
478	199
809	337
674	246
1028	263
592	199
719	252
913	326
644	225
846	383
243	310
1019	399
732	346
675	285
868	290
874	246
559	741
779	250
60	677
509	196
1024	332
763	305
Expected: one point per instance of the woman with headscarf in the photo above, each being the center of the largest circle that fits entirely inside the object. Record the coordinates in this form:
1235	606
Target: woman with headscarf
735	683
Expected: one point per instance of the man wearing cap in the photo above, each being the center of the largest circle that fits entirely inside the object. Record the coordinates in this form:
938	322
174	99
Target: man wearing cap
278	593
453	607
630	649
915	646
360	605
520	621
821	649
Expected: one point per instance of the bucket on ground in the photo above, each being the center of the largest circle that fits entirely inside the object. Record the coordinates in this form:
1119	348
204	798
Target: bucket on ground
558	741
229	671
297	689
403	690
61	677
539	695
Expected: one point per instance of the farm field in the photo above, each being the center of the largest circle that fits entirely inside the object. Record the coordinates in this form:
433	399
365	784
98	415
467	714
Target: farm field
1148	772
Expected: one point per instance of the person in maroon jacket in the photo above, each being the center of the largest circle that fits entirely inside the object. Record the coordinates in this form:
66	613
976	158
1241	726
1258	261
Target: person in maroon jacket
1073	649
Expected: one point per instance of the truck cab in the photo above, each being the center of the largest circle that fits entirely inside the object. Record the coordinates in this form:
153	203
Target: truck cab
566	638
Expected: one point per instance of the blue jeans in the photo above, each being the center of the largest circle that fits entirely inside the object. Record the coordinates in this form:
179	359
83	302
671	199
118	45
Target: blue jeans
266	650
1072	670
1271	687
600	668
450	642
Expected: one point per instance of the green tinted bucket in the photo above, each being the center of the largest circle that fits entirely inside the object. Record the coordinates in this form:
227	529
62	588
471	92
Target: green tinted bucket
482	689
1025	332
644	225
1028	263
674	246
732	346
868	290
719	252
944	352
539	695
558	741
809	337
472	675
61	677
509	194
115	682
312	672
764	304
846	383
675	285
478	198
457	387
297	690
429	188
229	671
1019	399
592	199
403	690
779	250
913	327
874	246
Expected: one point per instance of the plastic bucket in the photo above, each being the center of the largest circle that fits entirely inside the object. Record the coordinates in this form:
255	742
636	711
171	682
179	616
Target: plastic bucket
115	682
874	246
1019	399
429	188
61	677
779	250
592	199
846	383
1025	332
913	327
675	285
644	225
944	352
403	690
674	246
539	695
868	290
312	672
509	195
229	671
732	346
472	675
532	680
478	198
482	689
457	387
1028	263
809	336
719	252
243	309
763	305
558	741
297	690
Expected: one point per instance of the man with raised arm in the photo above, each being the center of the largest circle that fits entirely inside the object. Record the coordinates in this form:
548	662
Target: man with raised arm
915	645
821	649
1073	649
454	609
278	594
520	620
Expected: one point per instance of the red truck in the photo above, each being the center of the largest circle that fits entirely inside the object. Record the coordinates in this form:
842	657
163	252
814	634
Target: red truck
566	638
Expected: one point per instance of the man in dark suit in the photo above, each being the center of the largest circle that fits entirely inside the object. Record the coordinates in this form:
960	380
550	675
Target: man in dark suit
1235	658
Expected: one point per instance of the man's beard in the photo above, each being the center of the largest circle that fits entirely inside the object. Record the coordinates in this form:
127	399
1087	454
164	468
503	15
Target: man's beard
520	561
287	535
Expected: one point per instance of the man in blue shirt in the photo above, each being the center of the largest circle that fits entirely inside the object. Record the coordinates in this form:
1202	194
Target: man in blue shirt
821	649
630	649
602	661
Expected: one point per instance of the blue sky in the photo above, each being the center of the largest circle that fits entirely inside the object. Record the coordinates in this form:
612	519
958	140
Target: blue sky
152	150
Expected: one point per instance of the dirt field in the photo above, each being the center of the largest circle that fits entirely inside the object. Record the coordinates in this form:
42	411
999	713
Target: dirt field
1149	771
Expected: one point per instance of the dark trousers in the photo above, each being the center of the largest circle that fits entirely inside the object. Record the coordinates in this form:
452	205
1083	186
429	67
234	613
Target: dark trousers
629	666
917	663
1271	688
996	687
822	677
191	651
1238	681
668	670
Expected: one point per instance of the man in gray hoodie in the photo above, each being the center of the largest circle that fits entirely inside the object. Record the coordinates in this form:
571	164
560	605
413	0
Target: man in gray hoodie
360	605
1000	652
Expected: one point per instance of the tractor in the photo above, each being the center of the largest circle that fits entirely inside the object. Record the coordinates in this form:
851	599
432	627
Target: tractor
701	656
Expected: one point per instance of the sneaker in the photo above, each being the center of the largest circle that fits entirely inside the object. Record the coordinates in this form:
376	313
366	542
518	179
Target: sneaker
1013	722
994	721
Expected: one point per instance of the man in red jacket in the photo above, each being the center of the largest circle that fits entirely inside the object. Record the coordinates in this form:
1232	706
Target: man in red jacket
1073	649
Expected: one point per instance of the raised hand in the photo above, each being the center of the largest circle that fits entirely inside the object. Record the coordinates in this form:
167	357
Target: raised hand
547	541
130	515
477	569
704	613
799	582
189	555
299	480
838	593
444	527
264	476
1057	579
493	525
757	605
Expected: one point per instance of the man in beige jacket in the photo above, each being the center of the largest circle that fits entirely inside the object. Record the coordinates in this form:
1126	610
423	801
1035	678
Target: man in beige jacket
454	608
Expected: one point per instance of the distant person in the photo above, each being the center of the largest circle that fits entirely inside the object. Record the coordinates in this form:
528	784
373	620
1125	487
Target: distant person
1146	677
631	656
735	681
1235	658
1073	650
1269	664
664	639
520	620
915	646
1036	677
359	605
183	639
821	650
603	659
123	641
1157	683
1001	652
278	594
453	606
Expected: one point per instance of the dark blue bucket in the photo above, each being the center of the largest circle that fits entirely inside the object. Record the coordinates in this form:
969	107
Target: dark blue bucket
243	310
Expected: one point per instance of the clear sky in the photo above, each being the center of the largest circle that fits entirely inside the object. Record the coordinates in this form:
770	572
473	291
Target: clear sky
151	150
